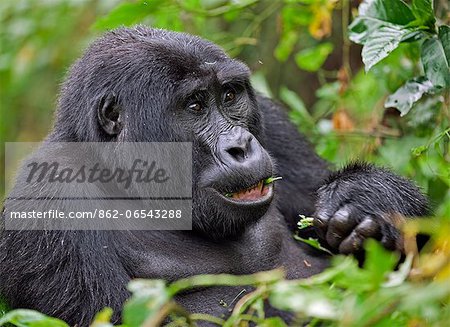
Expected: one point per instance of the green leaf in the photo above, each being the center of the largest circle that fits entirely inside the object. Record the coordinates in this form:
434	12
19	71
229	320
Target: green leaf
149	296
314	242
260	84
310	302
404	98
305	222
298	108
312	59
391	11
444	37
423	11
379	261
361	28
273	322
30	318
4	308
381	43
127	14
272	179
286	45
435	63
103	318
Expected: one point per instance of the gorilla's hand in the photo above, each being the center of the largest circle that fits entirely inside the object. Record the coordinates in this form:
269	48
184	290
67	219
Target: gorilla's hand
362	201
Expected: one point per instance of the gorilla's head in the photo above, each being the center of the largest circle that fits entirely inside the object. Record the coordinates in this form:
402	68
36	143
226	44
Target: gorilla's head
150	85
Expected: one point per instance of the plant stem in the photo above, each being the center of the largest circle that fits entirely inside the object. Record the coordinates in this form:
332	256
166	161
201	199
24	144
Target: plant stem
345	40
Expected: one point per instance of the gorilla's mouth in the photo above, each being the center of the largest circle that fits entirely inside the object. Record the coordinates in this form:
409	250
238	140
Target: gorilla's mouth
259	192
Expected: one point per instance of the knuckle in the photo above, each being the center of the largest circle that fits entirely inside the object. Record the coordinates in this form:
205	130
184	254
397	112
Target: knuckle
368	228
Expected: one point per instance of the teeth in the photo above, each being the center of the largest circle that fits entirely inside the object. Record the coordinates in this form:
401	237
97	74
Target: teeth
259	187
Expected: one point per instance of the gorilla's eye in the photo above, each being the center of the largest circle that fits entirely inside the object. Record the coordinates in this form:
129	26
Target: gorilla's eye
230	95
195	106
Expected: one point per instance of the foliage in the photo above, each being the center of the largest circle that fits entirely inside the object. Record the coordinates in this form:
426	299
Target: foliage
383	24
417	294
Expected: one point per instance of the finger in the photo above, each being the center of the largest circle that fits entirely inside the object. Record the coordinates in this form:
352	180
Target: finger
321	219
392	240
340	226
369	228
352	244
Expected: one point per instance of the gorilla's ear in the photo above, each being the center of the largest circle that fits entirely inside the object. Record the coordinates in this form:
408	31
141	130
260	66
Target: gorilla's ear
109	114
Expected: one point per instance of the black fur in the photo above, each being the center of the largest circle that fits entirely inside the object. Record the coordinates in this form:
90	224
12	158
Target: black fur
135	85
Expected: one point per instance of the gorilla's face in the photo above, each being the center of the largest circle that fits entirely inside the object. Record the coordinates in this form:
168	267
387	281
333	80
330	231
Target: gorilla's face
159	86
220	114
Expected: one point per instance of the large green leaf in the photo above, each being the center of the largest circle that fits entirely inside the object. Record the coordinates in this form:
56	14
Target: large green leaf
435	63
381	43
362	27
311	59
423	11
404	98
392	11
374	14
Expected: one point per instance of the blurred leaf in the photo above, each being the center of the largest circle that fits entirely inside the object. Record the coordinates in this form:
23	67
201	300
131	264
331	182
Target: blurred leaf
379	261
127	14
342	121
435	63
30	318
397	277
417	151
309	302
312	59
259	83
444	37
404	98
212	4
425	112
381	43
320	25
149	296
4	308
286	45
298	112
273	322
103	318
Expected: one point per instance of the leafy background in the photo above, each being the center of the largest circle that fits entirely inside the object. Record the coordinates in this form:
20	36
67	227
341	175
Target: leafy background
369	84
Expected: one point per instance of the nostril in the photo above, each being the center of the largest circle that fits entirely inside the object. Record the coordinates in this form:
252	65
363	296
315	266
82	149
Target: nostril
237	153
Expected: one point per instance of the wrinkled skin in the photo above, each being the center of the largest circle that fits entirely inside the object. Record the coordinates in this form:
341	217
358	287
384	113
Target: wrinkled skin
145	85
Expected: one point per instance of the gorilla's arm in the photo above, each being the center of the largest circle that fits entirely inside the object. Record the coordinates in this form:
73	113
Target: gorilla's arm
358	202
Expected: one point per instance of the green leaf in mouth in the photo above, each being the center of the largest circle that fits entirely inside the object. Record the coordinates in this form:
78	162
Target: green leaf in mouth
271	180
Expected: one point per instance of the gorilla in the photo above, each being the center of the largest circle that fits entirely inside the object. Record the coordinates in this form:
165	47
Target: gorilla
150	85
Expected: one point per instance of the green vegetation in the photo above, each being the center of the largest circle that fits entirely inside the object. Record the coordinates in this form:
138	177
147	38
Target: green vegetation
417	294
395	112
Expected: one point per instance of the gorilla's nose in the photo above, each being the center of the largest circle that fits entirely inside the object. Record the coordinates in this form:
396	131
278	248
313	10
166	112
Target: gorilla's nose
239	147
